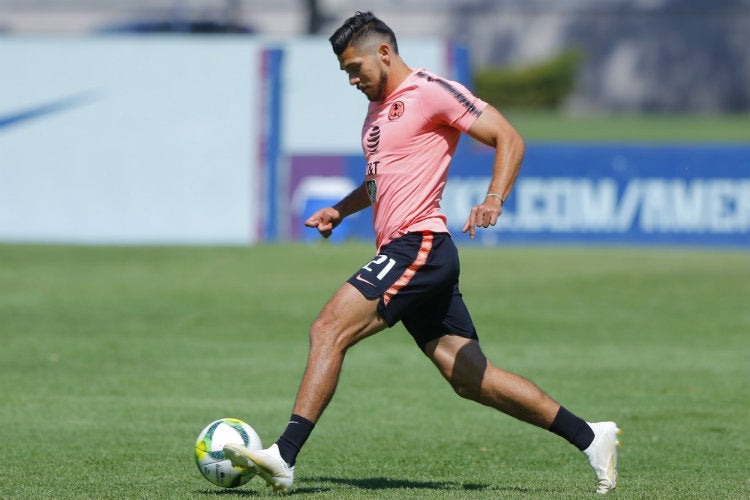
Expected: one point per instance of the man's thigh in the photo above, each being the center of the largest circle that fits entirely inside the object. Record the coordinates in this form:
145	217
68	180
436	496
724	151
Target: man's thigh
349	316
415	280
408	272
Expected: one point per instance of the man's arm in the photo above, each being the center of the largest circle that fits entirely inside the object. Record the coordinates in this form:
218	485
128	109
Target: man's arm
492	129
326	219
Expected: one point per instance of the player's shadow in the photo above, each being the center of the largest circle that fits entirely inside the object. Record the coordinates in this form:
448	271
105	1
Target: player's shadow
383	483
312	485
234	492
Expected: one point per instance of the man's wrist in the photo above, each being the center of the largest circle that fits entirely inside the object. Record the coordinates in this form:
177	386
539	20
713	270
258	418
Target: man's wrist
495	195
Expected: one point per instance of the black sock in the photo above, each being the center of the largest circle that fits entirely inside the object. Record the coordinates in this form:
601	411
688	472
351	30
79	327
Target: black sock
297	431
574	429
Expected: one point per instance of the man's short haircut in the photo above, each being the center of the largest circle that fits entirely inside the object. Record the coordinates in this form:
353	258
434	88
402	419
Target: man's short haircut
358	28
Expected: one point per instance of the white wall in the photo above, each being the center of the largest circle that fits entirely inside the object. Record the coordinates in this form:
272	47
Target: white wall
153	140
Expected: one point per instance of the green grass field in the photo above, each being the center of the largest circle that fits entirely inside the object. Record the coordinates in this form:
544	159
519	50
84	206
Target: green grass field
648	128
113	359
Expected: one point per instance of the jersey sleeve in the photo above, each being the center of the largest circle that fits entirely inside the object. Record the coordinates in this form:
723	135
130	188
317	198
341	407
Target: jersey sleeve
448	102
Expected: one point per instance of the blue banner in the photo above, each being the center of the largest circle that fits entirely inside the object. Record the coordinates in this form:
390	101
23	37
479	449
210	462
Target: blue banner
619	193
599	194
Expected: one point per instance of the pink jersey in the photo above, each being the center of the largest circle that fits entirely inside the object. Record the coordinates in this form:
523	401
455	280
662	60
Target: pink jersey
409	140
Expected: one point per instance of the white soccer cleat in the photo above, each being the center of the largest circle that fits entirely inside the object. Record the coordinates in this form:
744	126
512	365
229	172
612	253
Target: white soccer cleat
602	455
267	463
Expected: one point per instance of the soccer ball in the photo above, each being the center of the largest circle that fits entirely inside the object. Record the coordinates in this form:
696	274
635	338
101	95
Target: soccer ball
209	451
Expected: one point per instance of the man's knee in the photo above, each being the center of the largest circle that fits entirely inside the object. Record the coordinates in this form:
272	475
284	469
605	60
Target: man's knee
324	332
345	320
467	388
461	362
333	332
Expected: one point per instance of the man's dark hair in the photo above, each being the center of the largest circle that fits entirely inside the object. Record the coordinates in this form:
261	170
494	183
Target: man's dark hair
357	28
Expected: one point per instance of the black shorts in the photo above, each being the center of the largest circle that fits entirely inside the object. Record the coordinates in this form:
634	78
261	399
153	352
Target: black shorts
415	278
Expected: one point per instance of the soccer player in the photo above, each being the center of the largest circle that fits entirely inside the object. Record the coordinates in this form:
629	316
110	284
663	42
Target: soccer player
410	133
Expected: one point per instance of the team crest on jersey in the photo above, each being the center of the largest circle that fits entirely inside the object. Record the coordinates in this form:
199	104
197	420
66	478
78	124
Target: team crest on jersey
372	190
397	109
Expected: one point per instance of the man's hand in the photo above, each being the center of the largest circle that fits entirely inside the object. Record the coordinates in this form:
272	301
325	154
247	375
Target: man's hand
483	215
324	220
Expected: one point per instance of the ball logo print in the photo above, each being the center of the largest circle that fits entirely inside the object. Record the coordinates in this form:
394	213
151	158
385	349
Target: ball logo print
209	451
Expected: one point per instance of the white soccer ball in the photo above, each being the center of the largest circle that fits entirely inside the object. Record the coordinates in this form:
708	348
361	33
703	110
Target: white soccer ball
209	451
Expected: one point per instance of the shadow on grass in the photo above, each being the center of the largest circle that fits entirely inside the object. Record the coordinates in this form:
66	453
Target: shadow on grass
376	483
383	483
239	492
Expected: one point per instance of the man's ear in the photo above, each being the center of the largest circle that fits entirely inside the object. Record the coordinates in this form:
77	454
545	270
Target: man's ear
384	52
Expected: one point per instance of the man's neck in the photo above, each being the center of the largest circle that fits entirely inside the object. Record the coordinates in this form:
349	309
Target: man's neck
399	72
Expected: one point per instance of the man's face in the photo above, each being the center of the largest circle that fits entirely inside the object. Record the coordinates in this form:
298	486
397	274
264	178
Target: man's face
366	71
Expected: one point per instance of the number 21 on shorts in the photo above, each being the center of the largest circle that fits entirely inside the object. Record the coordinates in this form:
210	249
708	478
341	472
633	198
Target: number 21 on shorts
380	260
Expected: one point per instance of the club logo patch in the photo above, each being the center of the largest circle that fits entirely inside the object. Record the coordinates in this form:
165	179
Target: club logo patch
372	190
397	109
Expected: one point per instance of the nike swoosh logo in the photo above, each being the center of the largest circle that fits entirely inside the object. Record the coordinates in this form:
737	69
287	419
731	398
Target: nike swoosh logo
360	278
49	108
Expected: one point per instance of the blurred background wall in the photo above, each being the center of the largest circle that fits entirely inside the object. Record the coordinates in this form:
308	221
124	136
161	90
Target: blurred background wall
631	50
229	121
